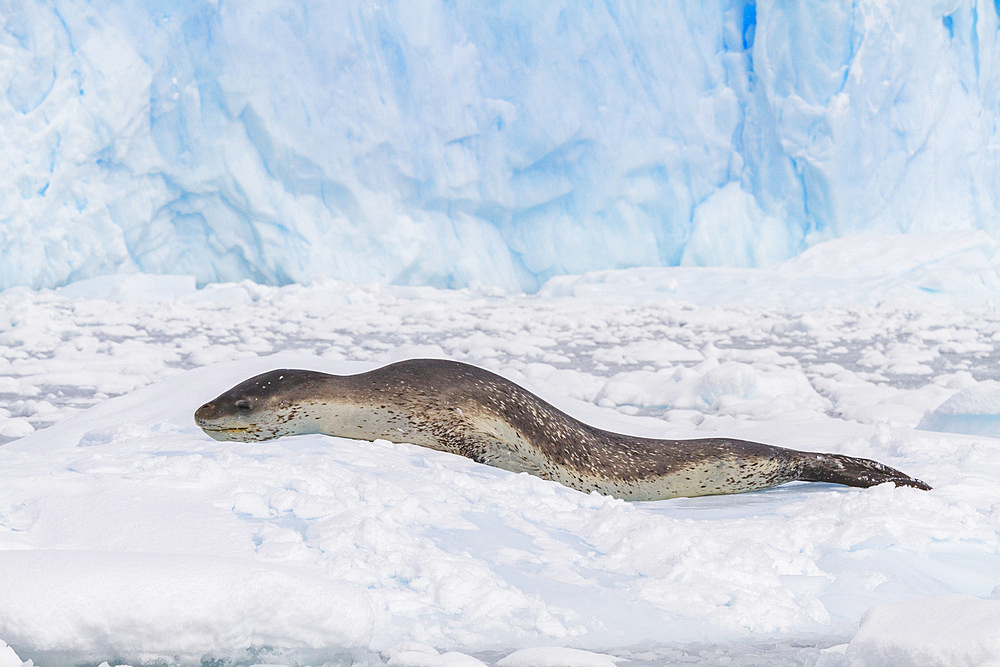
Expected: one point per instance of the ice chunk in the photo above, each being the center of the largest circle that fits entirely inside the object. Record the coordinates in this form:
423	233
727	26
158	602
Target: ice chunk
974	410
8	658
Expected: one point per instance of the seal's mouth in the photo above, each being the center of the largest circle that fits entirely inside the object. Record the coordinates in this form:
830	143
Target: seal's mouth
239	433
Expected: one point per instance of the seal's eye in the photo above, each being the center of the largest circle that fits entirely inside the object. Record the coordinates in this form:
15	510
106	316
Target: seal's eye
243	405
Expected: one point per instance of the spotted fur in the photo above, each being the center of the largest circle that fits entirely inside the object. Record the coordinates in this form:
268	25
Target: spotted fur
465	410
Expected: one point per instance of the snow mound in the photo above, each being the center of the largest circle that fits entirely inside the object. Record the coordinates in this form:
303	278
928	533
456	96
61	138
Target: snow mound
974	410
935	632
557	657
174	607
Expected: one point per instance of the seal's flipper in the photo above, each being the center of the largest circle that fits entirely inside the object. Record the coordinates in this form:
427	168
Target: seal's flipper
852	471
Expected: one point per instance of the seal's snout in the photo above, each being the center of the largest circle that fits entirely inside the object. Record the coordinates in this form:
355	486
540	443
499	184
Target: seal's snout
206	413
212	419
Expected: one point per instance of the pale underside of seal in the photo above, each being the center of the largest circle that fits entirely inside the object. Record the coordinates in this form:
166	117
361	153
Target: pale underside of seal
466	410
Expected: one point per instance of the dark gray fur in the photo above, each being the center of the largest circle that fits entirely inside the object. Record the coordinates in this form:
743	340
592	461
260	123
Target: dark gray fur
463	409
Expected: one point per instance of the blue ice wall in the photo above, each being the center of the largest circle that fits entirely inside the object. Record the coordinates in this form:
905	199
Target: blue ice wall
452	142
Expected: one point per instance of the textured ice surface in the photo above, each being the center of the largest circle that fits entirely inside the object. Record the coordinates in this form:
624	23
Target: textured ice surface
452	143
311	549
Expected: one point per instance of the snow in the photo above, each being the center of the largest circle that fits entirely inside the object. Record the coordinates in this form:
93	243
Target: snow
557	657
975	410
128	535
941	631
8	658
152	608
455	144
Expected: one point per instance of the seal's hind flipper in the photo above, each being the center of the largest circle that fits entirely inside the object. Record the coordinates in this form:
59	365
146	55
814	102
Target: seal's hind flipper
852	471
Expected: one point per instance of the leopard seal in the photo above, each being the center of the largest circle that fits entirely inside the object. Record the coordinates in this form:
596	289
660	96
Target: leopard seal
462	409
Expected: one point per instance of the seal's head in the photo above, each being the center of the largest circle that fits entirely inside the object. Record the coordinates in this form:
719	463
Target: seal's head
265	406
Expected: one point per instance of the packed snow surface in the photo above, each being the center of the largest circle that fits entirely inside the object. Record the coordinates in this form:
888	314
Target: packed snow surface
127	534
456	143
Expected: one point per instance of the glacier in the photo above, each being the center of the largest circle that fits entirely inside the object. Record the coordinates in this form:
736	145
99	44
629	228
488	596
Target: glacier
453	143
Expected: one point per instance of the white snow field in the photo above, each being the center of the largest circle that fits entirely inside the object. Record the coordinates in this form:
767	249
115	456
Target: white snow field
129	536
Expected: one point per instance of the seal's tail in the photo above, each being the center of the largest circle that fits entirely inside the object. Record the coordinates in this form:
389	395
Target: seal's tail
840	469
